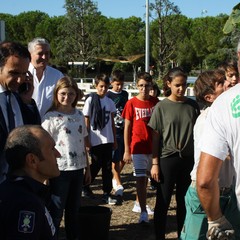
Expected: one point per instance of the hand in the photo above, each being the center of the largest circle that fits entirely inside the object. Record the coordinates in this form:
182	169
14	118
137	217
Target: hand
155	173
220	229
127	158
27	91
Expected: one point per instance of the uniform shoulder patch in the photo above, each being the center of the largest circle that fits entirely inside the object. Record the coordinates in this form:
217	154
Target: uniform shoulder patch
26	221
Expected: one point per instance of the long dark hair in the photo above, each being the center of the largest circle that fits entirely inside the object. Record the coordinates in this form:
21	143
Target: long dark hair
172	73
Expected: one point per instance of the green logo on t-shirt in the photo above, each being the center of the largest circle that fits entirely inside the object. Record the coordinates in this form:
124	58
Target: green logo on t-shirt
235	106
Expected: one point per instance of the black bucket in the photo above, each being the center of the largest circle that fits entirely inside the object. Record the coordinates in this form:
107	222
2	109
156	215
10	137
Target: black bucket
94	222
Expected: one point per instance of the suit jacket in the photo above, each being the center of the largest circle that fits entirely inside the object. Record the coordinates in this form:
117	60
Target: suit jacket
30	115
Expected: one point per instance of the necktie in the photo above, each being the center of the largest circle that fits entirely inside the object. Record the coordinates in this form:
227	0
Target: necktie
10	113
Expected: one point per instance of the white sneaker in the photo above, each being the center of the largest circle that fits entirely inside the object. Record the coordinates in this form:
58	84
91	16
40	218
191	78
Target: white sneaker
119	190
108	199
143	217
137	209
114	184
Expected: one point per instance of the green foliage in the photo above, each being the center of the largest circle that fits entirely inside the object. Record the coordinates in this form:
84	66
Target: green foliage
31	21
164	34
233	20
80	32
84	34
206	35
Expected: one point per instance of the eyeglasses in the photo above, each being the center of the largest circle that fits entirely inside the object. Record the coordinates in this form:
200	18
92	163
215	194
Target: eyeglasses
71	94
144	85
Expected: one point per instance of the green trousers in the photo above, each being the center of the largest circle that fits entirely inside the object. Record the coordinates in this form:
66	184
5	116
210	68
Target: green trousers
195	224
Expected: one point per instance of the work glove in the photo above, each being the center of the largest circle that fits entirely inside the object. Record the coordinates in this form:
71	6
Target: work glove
220	229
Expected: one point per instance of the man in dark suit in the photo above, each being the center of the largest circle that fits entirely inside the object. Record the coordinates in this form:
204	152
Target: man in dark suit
16	88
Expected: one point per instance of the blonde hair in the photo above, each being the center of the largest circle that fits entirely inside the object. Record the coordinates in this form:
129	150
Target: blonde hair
64	82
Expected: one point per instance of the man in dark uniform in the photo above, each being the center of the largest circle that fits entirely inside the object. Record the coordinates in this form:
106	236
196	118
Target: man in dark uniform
31	155
16	88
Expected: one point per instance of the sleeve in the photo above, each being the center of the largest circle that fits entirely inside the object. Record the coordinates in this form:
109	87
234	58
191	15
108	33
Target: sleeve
34	110
128	111
27	220
155	120
29	112
85	132
47	123
86	107
113	107
197	135
213	140
126	94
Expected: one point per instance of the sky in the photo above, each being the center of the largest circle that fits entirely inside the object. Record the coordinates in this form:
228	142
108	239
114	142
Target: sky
121	8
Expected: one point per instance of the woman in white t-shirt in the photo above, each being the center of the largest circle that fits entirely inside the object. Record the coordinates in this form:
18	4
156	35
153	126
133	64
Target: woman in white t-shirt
66	125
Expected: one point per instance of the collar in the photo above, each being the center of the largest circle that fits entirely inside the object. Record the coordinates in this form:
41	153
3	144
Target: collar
31	68
42	190
2	89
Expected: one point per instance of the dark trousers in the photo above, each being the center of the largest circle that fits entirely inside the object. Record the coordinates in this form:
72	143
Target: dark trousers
175	172
102	159
67	189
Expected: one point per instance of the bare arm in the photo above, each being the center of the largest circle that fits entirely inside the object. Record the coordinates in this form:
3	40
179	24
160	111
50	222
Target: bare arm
87	175
127	140
155	170
208	186
87	142
87	123
114	132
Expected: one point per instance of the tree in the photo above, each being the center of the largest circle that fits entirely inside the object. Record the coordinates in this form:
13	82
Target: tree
124	38
206	35
9	23
233	20
26	24
164	32
79	31
49	28
231	30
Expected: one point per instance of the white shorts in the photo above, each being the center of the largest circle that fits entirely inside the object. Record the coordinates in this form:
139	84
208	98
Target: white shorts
142	164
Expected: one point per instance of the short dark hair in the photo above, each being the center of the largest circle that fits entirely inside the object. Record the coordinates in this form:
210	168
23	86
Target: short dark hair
20	142
206	83
117	75
102	77
156	89
145	76
8	49
228	65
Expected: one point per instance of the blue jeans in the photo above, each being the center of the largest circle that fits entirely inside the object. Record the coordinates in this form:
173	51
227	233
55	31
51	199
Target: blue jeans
67	188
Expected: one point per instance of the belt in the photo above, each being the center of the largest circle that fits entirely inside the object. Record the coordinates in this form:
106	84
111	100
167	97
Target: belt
222	191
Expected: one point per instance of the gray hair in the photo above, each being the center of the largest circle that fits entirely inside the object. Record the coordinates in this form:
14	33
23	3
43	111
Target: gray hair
37	41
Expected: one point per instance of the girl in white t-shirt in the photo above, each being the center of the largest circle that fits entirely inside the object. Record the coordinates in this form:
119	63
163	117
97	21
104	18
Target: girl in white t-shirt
66	125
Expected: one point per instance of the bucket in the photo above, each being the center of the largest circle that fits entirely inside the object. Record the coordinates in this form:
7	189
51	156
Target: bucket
94	222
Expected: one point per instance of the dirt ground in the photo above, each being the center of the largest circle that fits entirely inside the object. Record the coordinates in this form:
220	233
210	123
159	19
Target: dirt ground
124	223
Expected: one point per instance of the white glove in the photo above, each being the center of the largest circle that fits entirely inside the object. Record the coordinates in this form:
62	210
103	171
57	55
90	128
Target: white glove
220	229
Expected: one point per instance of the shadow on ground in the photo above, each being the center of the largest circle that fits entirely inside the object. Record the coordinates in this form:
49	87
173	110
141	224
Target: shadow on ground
124	223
